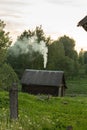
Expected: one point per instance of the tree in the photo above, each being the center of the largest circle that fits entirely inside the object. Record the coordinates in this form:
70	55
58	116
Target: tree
69	47
81	57
71	53
85	61
7	74
60	59
5	42
25	61
38	32
33	46
55	53
85	57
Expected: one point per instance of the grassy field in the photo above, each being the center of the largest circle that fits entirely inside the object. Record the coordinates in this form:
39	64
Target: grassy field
77	86
39	113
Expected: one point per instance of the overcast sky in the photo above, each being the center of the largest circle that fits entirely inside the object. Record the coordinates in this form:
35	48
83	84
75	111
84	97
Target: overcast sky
57	17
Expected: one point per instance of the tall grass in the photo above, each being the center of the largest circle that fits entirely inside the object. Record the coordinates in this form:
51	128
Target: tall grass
42	114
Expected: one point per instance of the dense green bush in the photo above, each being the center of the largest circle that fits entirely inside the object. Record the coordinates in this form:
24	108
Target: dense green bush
7	77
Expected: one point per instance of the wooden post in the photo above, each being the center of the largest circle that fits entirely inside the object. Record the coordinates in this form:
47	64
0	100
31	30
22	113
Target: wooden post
59	94
13	94
69	128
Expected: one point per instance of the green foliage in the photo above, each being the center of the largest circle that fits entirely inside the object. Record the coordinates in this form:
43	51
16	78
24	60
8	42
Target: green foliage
23	61
29	51
83	61
38	32
62	56
69	45
55	54
81	57
4	42
85	57
7	76
26	53
4	38
4	100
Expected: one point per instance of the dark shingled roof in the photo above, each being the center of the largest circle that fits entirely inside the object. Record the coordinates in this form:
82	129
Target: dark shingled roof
43	77
83	23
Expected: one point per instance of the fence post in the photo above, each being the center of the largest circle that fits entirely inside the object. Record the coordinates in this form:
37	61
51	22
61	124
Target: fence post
13	95
69	128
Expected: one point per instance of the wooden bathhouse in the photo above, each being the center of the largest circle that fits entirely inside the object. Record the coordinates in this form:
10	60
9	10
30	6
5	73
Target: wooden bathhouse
43	82
83	23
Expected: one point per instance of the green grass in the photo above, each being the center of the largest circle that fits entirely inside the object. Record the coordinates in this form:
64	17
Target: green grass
38	113
77	86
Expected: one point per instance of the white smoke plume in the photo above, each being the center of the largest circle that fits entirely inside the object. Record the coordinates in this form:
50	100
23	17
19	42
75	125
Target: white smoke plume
30	45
